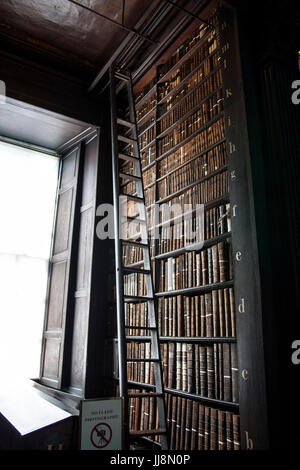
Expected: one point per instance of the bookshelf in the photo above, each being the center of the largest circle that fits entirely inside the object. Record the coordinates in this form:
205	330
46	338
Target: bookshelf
210	329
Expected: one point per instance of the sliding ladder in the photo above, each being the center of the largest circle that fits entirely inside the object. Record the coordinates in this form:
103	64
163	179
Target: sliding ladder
124	136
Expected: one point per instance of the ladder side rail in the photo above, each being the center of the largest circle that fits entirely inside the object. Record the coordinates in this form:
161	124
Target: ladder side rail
118	258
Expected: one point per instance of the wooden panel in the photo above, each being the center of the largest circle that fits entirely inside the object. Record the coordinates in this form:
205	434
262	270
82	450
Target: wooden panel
69	169
57	295
79	344
85	249
252	386
52	354
78	320
58	282
90	164
63	221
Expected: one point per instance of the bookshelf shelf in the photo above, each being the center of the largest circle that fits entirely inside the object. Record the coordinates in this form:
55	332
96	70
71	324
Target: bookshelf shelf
185	94
173	90
184	339
186	115
190	185
186	249
211	147
205	316
190	137
147	129
149	165
211	401
207	205
149	144
146	96
193	49
196	290
151	111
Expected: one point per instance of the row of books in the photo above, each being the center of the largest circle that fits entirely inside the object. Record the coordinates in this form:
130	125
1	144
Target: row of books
208	161
146	123
207	111
140	371
143	92
197	169
211	188
216	221
148	156
209	315
201	142
194	426
187	45
209	371
208	74
143	412
209	266
150	195
149	176
194	60
131	255
146	106
136	316
190	102
147	137
134	284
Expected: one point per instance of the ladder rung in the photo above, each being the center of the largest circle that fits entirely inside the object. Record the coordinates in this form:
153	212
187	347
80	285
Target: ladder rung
122	122
134	219
138	339
147	432
135	236
133	198
122	76
128	158
128	270
133	243
128	176
128	140
141	327
138	359
136	298
146	394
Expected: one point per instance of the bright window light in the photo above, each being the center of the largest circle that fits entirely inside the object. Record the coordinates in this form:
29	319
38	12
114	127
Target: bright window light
28	184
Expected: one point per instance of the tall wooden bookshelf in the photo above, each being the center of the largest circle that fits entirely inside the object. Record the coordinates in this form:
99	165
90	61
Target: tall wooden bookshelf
208	313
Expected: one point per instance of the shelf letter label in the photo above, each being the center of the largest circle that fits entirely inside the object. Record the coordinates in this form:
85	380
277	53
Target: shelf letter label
244	374
296	354
232	147
295	96
249	441
241	307
238	256
234	207
228	92
233	175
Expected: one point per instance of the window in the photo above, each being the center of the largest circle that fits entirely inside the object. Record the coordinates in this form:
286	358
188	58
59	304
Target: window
28	184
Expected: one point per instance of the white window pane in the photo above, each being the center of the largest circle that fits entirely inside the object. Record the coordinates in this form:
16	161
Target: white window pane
28	182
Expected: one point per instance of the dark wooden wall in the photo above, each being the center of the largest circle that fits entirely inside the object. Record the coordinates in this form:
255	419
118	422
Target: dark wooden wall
268	42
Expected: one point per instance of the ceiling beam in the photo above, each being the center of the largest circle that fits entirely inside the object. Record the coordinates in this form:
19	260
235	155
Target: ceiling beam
120	25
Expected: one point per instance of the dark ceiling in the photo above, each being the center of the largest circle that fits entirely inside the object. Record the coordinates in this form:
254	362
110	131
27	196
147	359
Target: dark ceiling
67	32
68	27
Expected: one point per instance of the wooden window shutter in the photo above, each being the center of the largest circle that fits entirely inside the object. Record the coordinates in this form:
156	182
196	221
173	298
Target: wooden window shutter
59	272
